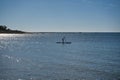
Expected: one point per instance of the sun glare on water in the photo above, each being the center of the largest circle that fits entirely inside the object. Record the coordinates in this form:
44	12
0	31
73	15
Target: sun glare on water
7	35
11	35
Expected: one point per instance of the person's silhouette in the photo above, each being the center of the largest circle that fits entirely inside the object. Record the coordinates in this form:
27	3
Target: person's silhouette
63	40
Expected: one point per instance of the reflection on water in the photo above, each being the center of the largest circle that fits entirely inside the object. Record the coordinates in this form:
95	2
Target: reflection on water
38	57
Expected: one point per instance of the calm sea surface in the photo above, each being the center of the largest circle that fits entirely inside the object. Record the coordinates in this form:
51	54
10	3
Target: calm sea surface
91	56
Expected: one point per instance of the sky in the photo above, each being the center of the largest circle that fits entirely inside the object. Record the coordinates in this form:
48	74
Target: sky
61	15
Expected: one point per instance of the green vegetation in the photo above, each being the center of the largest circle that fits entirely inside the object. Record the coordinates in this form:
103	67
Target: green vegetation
4	29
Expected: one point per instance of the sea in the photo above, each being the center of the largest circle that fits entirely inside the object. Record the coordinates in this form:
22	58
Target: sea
37	56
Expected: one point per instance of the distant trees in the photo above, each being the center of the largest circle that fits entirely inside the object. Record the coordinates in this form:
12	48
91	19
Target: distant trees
4	29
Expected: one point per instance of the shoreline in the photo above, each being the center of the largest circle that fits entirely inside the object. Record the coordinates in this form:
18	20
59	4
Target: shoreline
22	32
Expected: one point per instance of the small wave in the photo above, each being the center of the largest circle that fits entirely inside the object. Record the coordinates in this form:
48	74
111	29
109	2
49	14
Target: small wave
12	58
20	79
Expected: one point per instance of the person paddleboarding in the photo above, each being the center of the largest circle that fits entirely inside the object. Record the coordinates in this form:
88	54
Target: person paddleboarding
63	40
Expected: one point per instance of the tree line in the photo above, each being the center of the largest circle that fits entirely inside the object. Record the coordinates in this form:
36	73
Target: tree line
5	29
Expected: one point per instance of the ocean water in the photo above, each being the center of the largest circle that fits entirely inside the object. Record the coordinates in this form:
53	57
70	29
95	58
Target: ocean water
91	56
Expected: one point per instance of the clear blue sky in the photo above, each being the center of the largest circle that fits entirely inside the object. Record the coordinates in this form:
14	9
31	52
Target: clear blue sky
61	15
